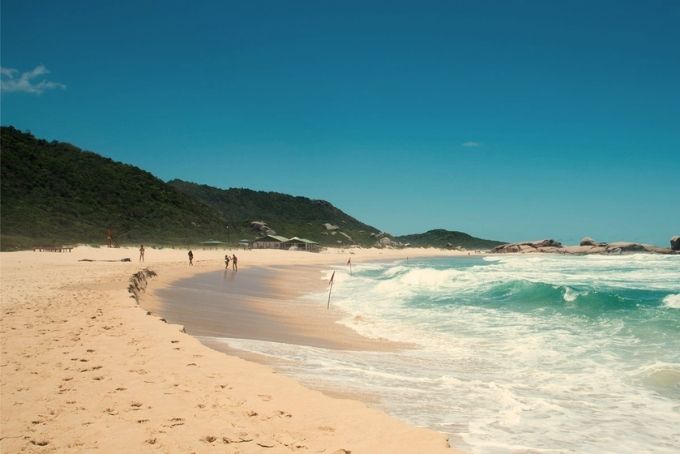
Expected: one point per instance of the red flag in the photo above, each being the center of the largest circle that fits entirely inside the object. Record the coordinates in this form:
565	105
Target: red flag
331	281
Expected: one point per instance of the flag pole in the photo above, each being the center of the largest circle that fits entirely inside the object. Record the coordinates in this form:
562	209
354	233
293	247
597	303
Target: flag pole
328	305
330	283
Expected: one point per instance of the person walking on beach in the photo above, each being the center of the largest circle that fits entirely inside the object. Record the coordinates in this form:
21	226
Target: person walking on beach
234	263
226	262
141	252
191	258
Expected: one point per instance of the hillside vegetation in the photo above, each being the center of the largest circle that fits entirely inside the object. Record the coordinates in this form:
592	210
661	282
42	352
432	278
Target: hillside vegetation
446	238
56	193
287	215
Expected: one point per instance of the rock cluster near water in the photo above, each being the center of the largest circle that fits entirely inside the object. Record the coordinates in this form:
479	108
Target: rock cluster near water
530	246
675	243
586	246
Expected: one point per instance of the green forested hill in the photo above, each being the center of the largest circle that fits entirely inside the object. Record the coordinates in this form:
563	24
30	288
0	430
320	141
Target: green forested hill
447	238
287	215
55	192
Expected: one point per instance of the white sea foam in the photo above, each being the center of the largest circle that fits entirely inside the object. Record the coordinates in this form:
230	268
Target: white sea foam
536	354
672	301
570	295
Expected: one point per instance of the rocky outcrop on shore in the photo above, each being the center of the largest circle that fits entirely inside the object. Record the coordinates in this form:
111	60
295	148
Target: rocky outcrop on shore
675	243
586	246
529	246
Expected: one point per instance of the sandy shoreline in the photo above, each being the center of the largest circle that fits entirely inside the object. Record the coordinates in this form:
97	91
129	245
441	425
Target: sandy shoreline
83	368
262	303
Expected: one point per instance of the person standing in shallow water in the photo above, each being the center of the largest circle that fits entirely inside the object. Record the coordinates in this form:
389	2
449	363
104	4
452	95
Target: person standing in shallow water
226	262
191	258
141	252
234	263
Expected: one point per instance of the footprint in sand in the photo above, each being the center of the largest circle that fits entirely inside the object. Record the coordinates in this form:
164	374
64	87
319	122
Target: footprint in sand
174	422
243	438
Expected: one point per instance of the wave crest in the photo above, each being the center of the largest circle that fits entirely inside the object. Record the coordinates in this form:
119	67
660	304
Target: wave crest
672	301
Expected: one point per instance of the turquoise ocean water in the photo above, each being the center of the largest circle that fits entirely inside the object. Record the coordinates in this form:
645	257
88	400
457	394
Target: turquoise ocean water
541	353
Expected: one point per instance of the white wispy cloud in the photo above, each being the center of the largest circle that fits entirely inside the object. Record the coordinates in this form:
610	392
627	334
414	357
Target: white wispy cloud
32	81
472	144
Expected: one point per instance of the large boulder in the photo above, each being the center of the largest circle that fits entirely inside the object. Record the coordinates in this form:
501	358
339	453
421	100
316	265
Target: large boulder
529	246
544	243
385	242
346	236
587	241
675	243
625	246
262	228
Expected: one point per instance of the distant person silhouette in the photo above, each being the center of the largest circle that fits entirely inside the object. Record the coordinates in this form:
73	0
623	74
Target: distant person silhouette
191	258
226	262
141	252
234	263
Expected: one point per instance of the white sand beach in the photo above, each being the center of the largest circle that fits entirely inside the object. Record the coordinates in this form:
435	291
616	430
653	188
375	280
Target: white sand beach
84	368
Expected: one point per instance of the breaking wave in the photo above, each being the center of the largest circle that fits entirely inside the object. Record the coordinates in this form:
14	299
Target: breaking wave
514	353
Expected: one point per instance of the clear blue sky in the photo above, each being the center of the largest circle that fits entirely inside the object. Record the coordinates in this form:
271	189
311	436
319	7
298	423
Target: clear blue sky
509	120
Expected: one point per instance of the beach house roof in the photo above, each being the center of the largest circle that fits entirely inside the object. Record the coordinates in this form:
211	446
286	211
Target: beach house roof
301	240
279	238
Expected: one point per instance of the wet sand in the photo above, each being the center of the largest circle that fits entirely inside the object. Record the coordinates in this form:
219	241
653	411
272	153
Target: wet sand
262	303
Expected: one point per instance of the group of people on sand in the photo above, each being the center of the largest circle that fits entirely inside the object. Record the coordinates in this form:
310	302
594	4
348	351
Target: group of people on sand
233	259
234	262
